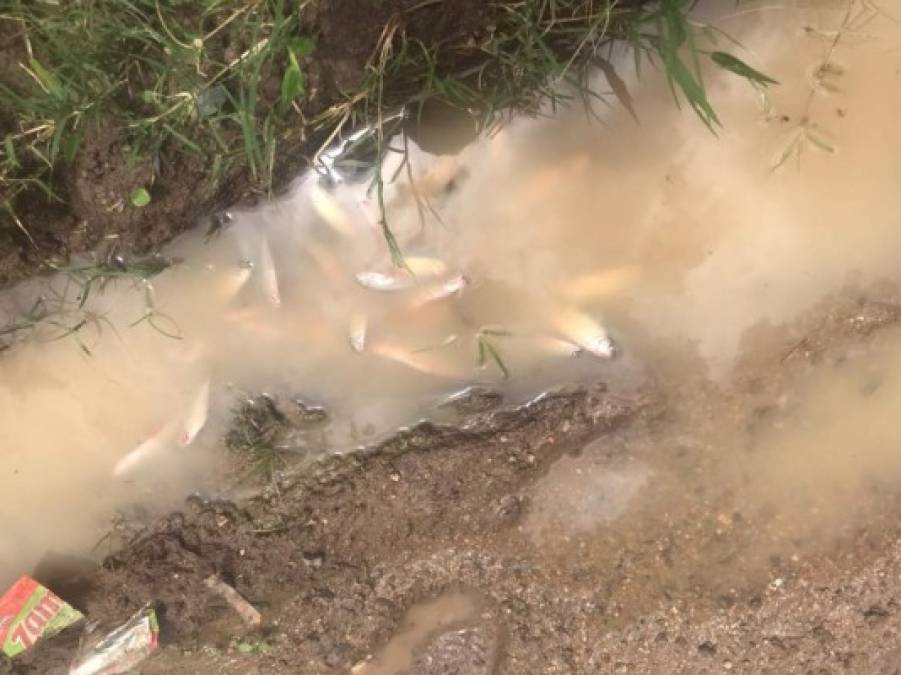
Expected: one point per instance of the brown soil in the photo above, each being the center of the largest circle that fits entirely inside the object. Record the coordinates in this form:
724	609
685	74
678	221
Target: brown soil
687	582
96	213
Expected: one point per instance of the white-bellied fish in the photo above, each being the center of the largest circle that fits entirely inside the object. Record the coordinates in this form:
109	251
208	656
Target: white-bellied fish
379	281
331	211
438	291
585	331
599	284
268	275
232	280
196	416
161	440
423	266
429	363
357	333
556	346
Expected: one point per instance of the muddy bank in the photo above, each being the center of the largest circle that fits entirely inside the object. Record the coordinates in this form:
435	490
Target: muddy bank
698	573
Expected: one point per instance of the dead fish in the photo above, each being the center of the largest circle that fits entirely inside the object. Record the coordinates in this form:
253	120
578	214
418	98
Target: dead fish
543	181
255	320
438	291
357	335
473	399
557	346
331	211
422	266
147	449
584	331
234	279
379	281
268	275
599	284
423	362
197	415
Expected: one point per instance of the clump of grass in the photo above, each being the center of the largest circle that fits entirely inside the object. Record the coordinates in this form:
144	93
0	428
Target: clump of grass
255	435
190	77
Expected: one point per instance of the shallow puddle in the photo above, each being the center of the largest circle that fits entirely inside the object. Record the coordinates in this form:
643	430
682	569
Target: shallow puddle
420	623
679	243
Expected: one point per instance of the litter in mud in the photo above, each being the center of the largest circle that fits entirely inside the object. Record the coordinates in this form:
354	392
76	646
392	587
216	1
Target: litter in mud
121	650
30	612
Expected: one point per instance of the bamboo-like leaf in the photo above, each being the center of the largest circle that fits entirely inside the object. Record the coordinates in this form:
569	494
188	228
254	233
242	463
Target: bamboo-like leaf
735	65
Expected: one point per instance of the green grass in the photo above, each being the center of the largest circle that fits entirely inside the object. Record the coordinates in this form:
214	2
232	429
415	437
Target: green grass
182	75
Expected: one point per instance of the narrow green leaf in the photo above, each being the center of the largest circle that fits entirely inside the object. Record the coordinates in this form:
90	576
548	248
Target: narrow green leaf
492	352
140	197
819	141
10	160
302	46
735	65
48	79
293	81
618	86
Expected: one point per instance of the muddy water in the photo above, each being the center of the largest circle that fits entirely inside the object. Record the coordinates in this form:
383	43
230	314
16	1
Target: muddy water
681	244
421	622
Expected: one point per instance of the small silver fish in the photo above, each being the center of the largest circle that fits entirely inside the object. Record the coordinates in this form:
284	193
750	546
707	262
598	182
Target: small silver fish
557	346
197	414
357	335
424	362
233	280
331	211
584	331
147	449
438	291
268	275
599	284
379	281
422	266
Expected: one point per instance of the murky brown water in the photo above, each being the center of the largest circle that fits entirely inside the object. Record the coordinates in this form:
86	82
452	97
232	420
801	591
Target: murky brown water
679	243
421	622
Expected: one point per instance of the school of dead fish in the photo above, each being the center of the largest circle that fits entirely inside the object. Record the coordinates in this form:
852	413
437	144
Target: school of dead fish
420	281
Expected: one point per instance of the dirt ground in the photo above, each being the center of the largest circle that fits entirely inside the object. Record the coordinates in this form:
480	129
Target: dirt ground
692	580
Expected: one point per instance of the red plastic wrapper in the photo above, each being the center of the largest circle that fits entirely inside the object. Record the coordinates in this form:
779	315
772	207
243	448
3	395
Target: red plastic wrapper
29	612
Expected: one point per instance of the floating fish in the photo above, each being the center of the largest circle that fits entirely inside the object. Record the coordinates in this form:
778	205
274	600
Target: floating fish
438	291
233	280
423	362
331	211
197	415
584	331
557	346
149	448
599	284
268	275
422	266
357	335
379	281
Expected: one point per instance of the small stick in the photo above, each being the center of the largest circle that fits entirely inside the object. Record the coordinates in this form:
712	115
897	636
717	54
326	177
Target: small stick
248	612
